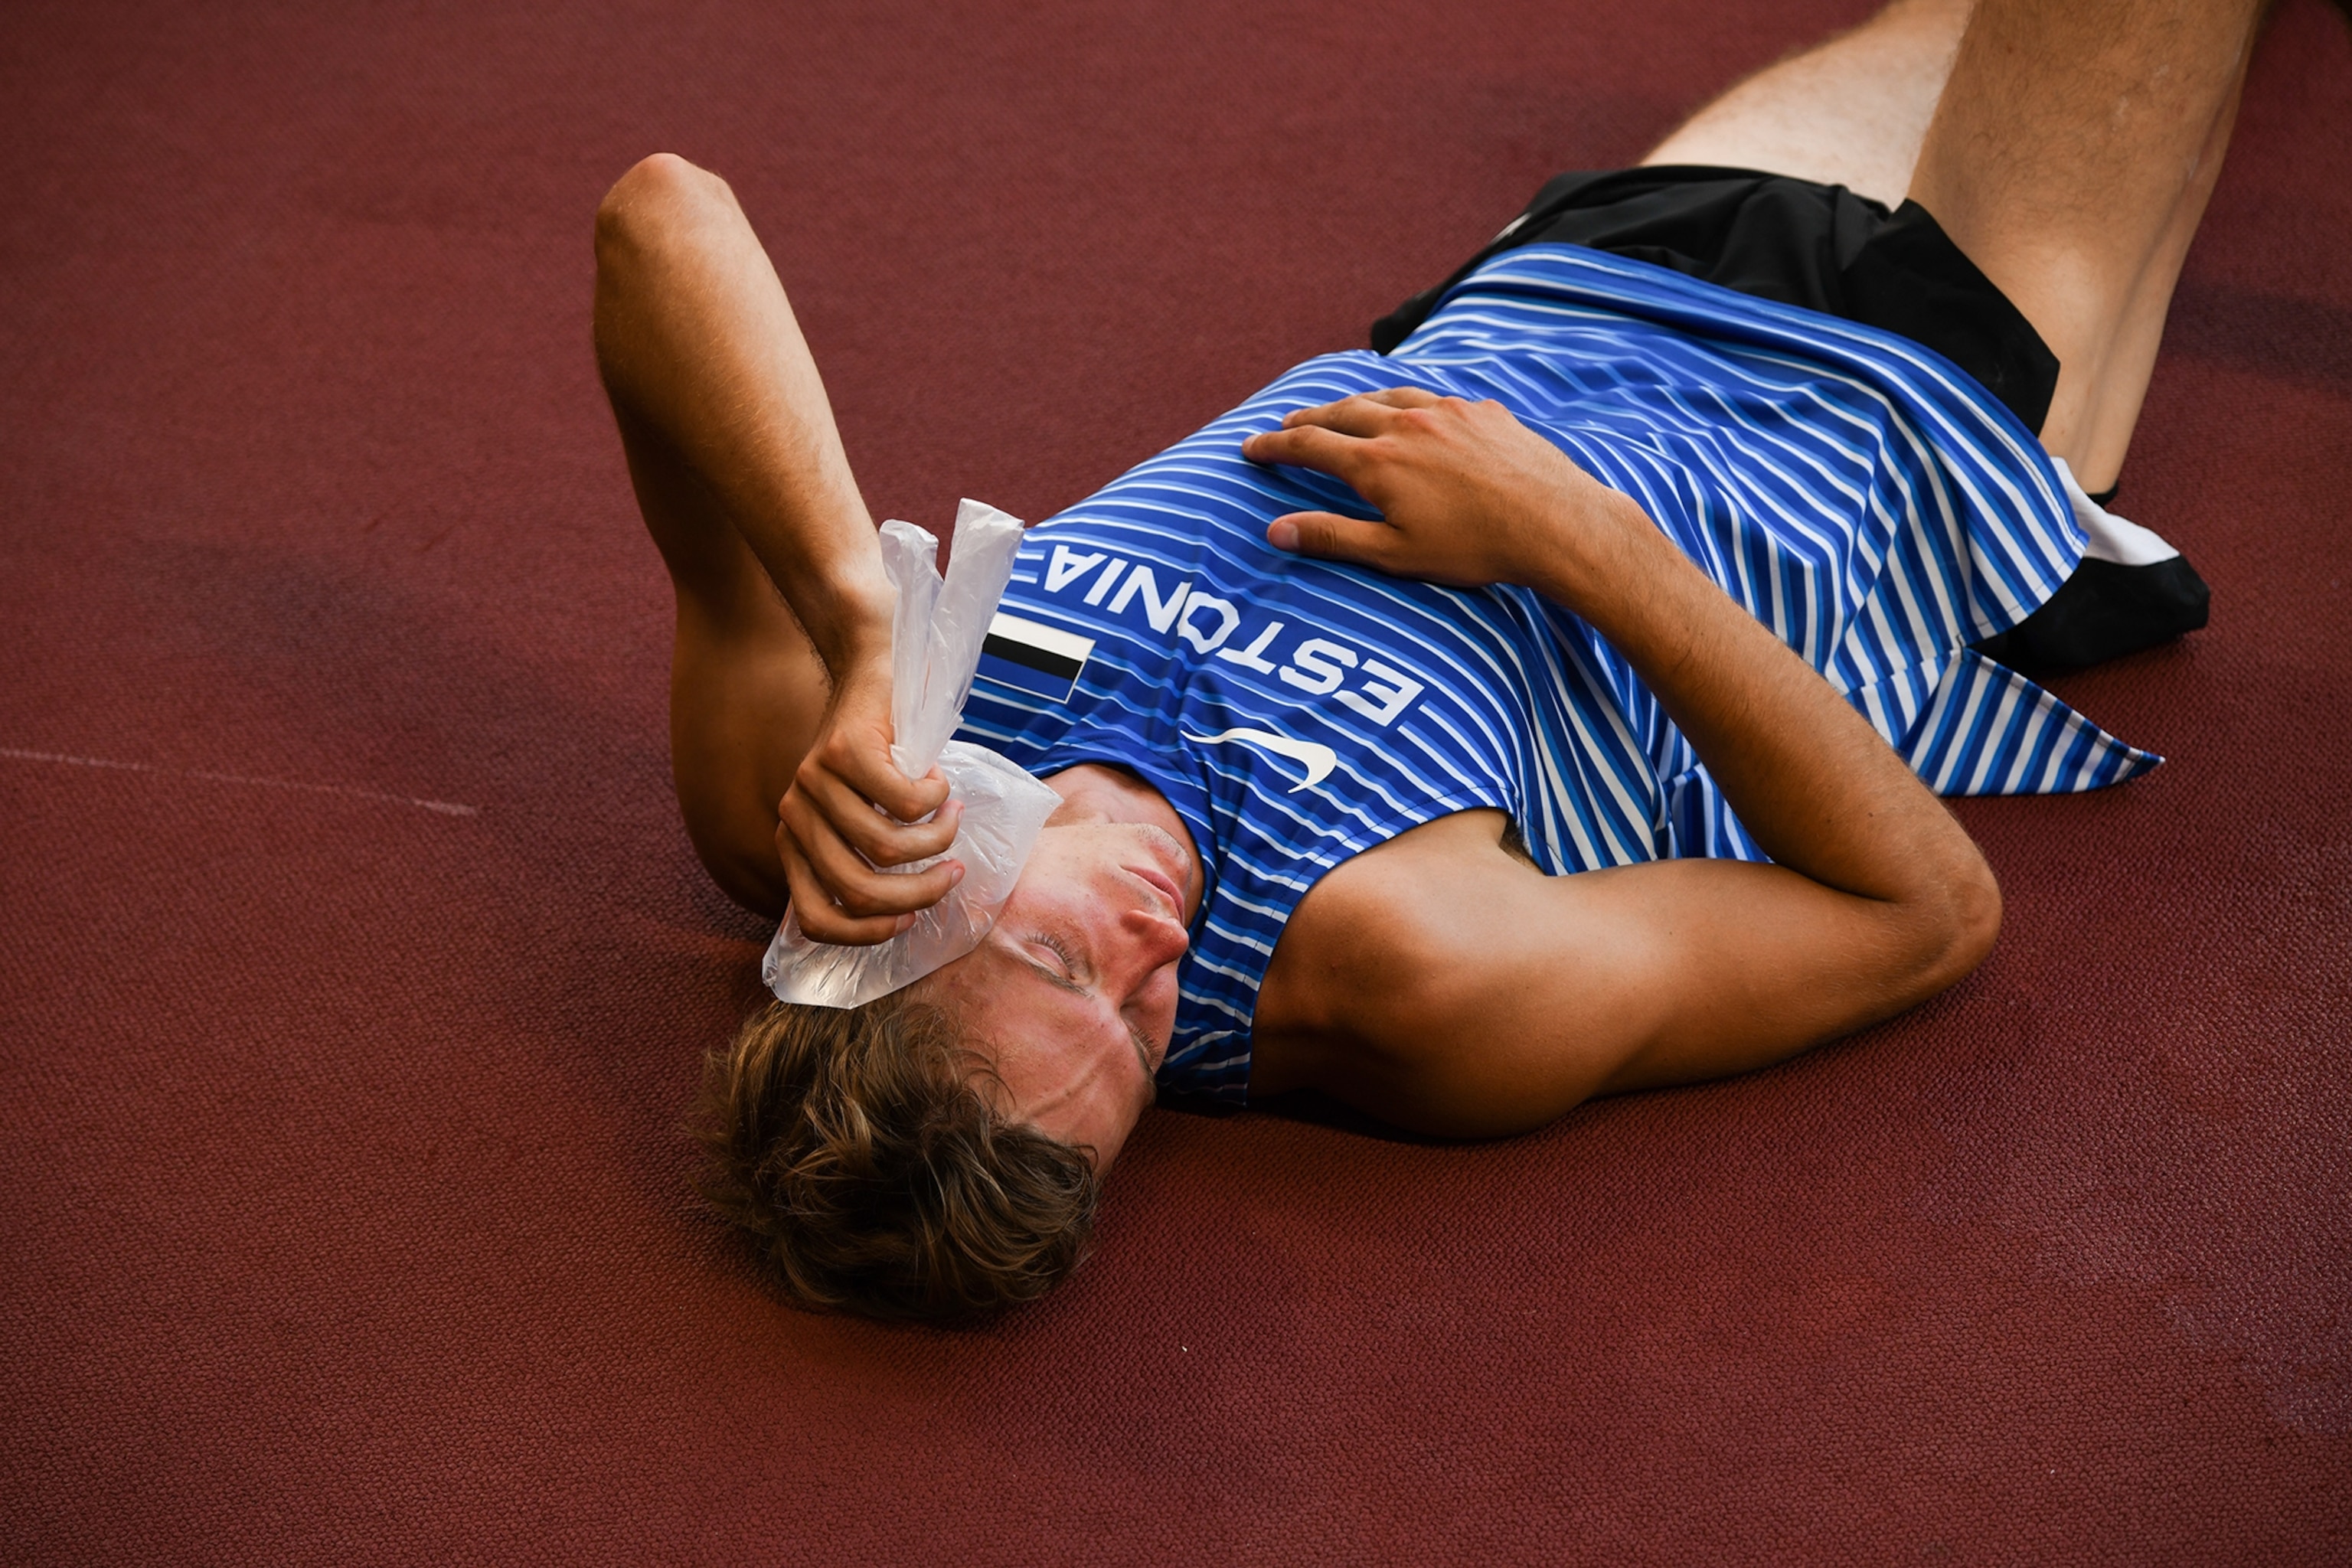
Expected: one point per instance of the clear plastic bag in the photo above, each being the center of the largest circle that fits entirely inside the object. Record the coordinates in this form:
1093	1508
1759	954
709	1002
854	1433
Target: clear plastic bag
936	634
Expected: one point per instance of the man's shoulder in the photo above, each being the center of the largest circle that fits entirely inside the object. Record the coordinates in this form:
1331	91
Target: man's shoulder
1386	940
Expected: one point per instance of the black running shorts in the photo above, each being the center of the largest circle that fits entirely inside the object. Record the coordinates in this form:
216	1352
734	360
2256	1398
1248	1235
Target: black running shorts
1821	247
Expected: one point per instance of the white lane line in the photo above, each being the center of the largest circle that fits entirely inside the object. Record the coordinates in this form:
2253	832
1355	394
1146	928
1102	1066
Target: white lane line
446	807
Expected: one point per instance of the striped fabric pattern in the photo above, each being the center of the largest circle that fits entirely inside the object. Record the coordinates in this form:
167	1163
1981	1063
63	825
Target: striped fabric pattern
1855	491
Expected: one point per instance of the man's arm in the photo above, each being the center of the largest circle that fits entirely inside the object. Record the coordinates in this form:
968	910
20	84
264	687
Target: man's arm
733	449
1577	986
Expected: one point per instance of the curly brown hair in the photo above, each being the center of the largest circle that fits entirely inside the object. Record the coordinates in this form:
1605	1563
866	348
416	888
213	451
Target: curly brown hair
857	1147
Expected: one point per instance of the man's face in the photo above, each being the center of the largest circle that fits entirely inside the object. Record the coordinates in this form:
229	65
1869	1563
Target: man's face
1072	995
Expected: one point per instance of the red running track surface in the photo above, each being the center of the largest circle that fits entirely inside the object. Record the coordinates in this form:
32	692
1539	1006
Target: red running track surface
355	967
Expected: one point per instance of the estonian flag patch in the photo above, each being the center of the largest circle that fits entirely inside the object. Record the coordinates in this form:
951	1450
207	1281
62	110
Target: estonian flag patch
1032	657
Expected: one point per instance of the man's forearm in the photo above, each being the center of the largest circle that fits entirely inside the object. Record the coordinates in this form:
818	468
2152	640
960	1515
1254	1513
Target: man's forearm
697	338
1816	786
722	412
1468	494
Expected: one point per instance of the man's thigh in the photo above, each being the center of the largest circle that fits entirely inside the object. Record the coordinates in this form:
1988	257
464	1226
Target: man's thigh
2070	156
1848	111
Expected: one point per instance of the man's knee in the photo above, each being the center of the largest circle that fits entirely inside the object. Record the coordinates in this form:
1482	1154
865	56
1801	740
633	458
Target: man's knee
661	197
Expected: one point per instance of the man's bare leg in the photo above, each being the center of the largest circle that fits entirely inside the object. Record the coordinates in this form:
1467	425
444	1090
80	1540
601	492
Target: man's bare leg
1851	112
743	484
2071	156
2067	146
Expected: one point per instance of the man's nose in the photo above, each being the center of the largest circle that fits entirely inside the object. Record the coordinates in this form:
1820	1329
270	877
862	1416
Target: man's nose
1157	939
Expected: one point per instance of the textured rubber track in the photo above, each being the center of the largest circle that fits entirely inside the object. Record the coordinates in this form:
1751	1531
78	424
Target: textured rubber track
353	966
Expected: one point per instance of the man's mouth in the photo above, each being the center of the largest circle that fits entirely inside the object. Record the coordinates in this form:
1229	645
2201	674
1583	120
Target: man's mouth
1158	880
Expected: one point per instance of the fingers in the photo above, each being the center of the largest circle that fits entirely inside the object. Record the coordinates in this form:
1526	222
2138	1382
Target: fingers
850	850
848	871
1364	415
840	900
851	815
850	773
832	844
1307	446
854	747
882	840
1366	412
1329	437
1327	536
866	770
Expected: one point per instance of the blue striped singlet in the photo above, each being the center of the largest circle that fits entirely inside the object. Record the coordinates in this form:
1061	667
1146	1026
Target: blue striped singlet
1857	493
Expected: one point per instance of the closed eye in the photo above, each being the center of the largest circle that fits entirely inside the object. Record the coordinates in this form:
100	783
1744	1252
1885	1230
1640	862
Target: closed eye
1064	981
1065	976
1142	1055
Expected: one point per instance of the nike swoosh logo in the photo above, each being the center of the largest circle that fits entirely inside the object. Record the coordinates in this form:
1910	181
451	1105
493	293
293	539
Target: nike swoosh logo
1317	758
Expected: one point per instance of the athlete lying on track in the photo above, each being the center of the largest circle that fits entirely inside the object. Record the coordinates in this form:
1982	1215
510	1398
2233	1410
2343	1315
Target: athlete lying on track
1654	551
